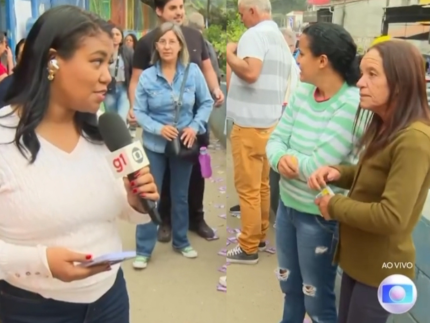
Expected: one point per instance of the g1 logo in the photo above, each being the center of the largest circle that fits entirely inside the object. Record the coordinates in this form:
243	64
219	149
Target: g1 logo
119	163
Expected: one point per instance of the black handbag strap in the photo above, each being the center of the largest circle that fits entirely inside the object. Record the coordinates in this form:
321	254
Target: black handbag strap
178	103
116	67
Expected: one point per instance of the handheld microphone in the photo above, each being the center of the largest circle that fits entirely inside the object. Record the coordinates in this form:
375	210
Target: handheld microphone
127	157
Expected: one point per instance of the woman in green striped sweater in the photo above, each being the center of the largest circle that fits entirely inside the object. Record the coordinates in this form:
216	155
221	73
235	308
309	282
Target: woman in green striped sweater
316	129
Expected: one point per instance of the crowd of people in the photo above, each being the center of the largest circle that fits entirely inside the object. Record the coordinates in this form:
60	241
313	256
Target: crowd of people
356	125
322	119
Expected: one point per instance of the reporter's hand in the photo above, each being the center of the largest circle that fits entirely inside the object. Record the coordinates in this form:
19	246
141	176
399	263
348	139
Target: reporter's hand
169	132
188	137
61	262
143	186
288	167
321	176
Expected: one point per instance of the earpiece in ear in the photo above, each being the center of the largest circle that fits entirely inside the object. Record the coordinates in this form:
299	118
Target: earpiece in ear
54	63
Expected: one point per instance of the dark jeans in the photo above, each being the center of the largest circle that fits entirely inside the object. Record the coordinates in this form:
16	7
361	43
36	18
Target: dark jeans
305	246
146	234
359	303
20	306
196	192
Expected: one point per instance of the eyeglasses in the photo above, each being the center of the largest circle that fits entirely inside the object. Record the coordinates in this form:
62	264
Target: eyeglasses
164	43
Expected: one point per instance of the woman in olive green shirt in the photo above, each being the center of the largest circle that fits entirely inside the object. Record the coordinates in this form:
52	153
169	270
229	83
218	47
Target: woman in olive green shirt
388	187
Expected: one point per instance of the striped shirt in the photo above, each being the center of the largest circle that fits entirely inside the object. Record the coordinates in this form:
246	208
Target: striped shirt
259	105
317	134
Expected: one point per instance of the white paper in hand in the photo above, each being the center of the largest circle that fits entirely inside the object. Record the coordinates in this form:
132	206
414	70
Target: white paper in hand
110	258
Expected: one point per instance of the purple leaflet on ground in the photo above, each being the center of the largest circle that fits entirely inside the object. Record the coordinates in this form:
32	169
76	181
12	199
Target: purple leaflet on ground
223	269
215	237
230	230
219	206
227	243
232	239
271	250
237	230
222	252
223	216
221	288
222	188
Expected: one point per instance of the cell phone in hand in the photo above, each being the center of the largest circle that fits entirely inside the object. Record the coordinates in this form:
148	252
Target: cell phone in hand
110	258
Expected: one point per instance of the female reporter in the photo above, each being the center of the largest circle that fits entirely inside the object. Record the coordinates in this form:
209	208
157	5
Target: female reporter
388	187
59	200
315	129
165	98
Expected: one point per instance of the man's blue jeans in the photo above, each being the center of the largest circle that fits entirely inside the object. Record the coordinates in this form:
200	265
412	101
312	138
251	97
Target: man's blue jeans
305	246
180	173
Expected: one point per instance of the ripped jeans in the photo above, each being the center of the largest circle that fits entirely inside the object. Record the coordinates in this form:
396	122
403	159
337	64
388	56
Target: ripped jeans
305	246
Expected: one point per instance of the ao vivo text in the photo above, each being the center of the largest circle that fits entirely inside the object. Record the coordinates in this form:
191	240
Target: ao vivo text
397	265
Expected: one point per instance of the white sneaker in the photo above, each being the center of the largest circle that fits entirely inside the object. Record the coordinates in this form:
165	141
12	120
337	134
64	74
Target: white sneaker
140	262
223	281
188	252
262	246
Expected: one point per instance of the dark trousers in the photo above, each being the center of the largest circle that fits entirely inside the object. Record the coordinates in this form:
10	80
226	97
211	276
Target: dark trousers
359	303
196	193
20	306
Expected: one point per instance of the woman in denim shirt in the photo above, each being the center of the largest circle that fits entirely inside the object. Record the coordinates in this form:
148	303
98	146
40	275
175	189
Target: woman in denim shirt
154	107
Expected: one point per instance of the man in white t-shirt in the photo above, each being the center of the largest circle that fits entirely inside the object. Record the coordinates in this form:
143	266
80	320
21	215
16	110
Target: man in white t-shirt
260	65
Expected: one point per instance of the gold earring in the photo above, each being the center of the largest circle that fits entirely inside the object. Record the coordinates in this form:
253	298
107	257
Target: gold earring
51	75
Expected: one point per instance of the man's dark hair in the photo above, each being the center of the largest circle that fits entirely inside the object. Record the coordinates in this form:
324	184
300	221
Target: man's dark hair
160	4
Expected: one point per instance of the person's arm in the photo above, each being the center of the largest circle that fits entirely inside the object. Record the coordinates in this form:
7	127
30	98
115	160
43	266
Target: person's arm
228	76
207	68
141	109
18	260
335	143
141	61
409	168
277	144
347	175
248	62
3	76
204	100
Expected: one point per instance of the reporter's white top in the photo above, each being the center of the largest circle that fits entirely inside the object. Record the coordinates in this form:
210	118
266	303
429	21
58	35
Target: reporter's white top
62	200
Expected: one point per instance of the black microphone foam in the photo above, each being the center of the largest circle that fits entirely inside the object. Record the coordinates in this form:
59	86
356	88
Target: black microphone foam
116	135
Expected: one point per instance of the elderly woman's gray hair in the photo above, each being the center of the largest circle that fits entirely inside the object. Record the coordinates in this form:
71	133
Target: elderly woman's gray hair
290	37
196	21
184	55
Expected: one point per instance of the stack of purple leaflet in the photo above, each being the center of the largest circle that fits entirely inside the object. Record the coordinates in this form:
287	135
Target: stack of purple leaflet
221	288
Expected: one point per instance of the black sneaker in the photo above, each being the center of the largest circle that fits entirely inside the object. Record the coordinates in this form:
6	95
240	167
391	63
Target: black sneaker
262	246
235	210
238	256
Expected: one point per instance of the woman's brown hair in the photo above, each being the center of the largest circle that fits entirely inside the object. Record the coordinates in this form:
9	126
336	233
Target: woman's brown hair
407	102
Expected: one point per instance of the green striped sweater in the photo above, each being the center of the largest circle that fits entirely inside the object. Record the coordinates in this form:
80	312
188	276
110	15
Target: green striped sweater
317	134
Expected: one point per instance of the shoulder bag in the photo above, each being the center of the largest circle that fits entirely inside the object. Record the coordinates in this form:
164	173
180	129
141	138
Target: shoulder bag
112	85
176	147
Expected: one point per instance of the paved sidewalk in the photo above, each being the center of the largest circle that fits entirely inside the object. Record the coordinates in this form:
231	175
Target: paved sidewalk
177	290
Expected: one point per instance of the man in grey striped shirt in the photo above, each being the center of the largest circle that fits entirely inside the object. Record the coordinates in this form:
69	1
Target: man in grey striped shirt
260	64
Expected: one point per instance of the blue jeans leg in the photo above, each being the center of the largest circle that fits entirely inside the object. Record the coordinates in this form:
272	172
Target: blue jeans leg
117	101
180	174
146	234
289	270
312	244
